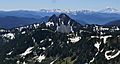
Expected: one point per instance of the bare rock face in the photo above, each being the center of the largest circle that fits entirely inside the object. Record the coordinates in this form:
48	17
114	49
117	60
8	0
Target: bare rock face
63	23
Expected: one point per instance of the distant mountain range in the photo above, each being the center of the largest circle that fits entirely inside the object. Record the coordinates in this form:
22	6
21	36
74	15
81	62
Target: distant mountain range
13	21
100	17
116	22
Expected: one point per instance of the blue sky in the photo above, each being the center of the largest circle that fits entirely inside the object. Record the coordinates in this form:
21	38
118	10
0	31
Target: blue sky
58	4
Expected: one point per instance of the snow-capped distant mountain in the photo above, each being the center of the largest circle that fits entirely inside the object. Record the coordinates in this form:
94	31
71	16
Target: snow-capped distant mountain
109	10
90	16
57	10
69	11
105	10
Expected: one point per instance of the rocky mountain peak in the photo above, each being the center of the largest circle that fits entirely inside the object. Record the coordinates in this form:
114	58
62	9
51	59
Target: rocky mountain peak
62	23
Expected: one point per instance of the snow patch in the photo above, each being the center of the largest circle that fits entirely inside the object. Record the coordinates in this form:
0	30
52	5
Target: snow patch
9	36
69	22
24	63
52	43
71	29
67	42
74	39
41	41
36	25
2	30
92	60
18	62
50	39
20	29
97	45
53	61
108	57
9	53
40	58
23	32
44	29
49	23
104	38
28	51
43	48
33	39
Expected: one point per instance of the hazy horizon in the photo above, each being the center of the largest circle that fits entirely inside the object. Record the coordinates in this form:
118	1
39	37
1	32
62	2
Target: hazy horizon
56	9
58	4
